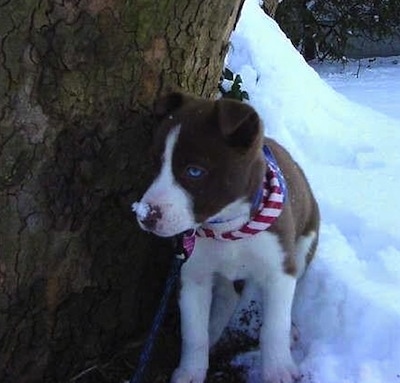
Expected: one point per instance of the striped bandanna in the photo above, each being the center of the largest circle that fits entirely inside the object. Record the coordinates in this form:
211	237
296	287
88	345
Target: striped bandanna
273	198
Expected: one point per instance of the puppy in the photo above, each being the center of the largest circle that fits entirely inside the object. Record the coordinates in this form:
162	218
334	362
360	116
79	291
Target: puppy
254	216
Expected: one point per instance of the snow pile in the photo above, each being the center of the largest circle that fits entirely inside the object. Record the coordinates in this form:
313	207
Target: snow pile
347	308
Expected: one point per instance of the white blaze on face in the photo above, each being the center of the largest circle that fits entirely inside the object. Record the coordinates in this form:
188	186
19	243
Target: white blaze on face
167	196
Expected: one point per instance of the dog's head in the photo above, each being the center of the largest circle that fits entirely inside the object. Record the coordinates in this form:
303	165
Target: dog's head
207	157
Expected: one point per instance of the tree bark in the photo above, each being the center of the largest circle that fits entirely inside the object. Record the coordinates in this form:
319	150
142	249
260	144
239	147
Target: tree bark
78	279
270	7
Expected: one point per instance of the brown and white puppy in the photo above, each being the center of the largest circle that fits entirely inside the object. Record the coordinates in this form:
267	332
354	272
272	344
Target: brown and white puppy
210	168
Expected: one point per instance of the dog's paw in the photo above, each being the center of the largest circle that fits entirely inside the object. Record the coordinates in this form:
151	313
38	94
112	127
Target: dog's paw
182	375
281	374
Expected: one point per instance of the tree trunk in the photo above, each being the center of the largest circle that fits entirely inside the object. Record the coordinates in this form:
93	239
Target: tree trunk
78	279
270	7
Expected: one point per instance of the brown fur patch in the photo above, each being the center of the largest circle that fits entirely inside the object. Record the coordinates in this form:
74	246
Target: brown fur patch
300	215
225	138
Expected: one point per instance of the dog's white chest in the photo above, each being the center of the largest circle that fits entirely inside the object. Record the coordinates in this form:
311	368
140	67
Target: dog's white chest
253	257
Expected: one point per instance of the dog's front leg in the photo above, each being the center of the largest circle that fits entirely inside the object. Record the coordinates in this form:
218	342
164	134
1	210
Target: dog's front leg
277	363
194	302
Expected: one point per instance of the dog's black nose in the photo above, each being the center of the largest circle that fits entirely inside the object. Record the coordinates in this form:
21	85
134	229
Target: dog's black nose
150	219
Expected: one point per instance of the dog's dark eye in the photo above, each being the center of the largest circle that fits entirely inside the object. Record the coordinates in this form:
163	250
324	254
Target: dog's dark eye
195	172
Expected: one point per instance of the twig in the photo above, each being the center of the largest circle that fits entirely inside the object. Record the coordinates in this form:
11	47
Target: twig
359	67
75	378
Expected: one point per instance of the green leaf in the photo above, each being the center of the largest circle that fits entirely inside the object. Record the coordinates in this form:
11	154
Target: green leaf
238	79
228	74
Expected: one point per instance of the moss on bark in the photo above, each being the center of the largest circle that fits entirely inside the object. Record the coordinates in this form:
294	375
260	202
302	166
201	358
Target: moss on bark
78	280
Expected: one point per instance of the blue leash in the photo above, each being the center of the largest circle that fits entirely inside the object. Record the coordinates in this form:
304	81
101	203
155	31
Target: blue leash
180	258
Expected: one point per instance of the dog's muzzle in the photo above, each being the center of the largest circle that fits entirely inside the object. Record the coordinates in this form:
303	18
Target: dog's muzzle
147	215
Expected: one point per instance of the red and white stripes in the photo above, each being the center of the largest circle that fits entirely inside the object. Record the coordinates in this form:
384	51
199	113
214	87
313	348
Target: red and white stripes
270	209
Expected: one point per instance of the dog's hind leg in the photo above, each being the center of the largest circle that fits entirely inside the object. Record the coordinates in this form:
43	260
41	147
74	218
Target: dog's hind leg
305	249
225	300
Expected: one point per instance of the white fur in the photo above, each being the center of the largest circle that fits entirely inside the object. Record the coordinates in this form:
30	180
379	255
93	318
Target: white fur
258	259
174	202
232	216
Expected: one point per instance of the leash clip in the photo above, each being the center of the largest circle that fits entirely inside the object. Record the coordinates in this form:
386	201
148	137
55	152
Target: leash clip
181	256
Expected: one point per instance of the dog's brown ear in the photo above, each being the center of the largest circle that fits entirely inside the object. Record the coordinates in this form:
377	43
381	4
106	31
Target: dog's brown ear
166	104
239	123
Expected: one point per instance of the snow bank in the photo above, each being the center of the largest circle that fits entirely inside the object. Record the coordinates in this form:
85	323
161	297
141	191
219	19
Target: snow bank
347	307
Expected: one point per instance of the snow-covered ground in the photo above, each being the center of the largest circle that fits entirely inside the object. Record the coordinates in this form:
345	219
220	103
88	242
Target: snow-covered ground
373	82
347	308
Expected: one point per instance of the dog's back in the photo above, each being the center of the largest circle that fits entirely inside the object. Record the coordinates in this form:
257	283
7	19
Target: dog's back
300	217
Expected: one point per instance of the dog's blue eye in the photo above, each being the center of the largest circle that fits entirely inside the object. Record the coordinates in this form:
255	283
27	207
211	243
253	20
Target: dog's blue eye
194	172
